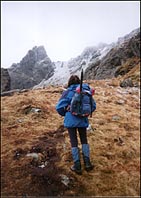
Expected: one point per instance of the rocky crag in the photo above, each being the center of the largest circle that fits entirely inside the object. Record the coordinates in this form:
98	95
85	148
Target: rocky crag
119	60
34	67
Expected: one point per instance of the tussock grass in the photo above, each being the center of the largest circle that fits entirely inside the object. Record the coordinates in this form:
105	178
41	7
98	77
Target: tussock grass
114	142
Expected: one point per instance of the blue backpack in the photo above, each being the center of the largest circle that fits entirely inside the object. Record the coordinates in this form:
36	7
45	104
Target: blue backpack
82	102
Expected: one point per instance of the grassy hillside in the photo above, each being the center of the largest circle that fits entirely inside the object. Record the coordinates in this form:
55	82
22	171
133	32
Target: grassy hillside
30	124
130	69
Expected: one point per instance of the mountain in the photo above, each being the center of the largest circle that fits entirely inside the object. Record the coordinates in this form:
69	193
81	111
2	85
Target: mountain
34	67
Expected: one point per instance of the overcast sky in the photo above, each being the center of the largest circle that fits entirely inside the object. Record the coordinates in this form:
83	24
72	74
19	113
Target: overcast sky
63	28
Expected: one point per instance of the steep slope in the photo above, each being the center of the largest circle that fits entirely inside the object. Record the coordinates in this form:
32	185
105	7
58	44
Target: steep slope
35	66
35	147
110	65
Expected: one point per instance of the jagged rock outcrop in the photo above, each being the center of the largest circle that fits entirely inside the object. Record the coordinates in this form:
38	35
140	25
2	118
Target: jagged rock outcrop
109	65
34	67
5	80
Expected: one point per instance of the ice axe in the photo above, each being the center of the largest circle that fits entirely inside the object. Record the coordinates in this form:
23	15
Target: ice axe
81	80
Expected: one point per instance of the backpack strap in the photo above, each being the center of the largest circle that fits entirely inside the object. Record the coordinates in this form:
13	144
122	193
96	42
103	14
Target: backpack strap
91	105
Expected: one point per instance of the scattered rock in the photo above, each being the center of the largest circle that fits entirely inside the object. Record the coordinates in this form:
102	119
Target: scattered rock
18	153
116	117
35	110
127	83
120	102
42	166
119	141
64	179
29	109
10	93
20	120
35	156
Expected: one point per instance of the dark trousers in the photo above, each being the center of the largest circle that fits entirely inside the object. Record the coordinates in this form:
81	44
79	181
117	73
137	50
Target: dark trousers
73	136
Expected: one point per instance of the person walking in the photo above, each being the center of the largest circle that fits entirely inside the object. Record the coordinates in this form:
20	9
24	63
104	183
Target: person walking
75	124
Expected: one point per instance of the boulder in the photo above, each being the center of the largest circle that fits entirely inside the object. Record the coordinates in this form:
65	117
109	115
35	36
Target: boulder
5	80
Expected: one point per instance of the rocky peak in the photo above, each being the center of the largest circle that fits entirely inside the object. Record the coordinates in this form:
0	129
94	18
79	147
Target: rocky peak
34	67
34	55
127	37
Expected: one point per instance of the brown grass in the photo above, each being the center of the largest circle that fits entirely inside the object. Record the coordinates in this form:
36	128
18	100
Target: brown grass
131	69
114	142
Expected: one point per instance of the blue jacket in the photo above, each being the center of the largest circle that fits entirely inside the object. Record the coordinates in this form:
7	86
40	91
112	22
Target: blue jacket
61	107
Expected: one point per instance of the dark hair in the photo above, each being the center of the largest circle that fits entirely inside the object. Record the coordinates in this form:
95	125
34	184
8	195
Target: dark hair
73	80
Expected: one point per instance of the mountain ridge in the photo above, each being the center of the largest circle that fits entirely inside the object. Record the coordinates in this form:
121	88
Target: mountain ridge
107	67
36	69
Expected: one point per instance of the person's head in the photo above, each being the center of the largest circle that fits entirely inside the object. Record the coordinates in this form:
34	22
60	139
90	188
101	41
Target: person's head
73	80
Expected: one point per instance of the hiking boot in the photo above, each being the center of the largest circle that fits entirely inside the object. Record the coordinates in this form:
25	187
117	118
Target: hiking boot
86	158
87	164
76	158
77	167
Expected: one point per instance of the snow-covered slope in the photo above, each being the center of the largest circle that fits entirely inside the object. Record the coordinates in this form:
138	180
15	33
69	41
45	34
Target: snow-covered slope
61	75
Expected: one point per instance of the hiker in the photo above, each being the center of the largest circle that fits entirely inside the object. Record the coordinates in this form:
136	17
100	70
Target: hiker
75	123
